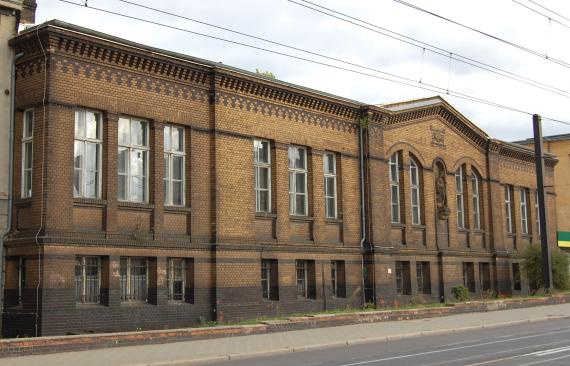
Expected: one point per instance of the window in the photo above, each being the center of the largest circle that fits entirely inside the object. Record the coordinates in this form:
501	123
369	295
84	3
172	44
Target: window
537	212
329	168
269	279
459	198
415	194
469	276
262	175
134	279
176	279
403	286
338	279
21	279
516	277
476	201
394	167
508	209
87	280
305	278
173	166
485	276
27	153
298	203
524	211
423	277
87	155
133	160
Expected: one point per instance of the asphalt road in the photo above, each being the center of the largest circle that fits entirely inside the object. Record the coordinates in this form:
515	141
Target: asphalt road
539	343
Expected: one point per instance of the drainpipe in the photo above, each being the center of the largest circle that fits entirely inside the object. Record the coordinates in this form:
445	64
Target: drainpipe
10	179
362	207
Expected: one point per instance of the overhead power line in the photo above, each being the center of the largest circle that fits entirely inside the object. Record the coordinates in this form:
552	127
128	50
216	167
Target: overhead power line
428	47
541	14
549	10
496	38
401	81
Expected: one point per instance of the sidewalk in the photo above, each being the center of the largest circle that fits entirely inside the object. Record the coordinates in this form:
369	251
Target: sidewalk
292	341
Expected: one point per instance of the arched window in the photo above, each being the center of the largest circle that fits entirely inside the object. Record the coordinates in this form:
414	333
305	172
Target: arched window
415	192
476	196
394	165
459	198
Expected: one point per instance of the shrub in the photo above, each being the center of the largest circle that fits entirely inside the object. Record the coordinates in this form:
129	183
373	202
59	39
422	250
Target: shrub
460	293
532	266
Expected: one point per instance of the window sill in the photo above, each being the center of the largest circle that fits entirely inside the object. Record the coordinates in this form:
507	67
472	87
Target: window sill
300	218
23	201
81	201
135	303
178	302
177	209
265	215
333	221
462	230
89	306
419	227
479	232
526	236
135	205
397	225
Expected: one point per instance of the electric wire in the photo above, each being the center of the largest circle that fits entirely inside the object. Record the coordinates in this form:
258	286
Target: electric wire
549	10
496	38
407	82
541	14
429	47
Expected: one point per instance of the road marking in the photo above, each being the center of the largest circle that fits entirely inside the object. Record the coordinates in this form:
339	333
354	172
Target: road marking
449	349
550	351
543	361
492	354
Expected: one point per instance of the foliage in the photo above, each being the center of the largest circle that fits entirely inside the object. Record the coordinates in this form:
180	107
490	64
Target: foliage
460	293
265	73
532	266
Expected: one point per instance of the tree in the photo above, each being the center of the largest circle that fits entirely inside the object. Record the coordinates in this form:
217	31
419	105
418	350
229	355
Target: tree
532	266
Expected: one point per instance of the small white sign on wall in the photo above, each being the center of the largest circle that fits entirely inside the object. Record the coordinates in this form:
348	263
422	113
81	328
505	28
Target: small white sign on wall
389	270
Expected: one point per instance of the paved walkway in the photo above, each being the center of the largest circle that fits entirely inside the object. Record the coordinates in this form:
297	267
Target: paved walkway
245	346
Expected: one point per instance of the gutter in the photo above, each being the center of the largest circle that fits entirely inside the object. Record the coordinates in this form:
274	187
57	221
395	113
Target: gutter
10	178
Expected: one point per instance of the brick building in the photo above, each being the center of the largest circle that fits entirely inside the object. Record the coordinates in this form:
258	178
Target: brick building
158	190
559	145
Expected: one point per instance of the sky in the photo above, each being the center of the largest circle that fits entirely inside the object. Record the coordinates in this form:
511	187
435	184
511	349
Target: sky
288	23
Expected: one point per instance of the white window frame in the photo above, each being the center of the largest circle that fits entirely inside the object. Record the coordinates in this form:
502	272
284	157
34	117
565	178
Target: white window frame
460	206
171	279
302	265
131	148
266	265
293	171
169	155
415	190
537	212
83	294
128	293
524	211
475	192
259	164
508	209
83	140
394	176
330	175
28	119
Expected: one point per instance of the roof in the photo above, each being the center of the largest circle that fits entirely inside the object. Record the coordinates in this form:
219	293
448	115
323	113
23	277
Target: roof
530	140
181	56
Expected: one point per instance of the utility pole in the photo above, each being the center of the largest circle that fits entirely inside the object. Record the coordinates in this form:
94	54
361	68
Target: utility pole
539	161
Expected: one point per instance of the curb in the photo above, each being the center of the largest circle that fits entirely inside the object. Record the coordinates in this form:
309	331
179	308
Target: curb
347	343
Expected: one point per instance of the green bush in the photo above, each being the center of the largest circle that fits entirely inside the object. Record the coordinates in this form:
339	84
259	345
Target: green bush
460	293
532	267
